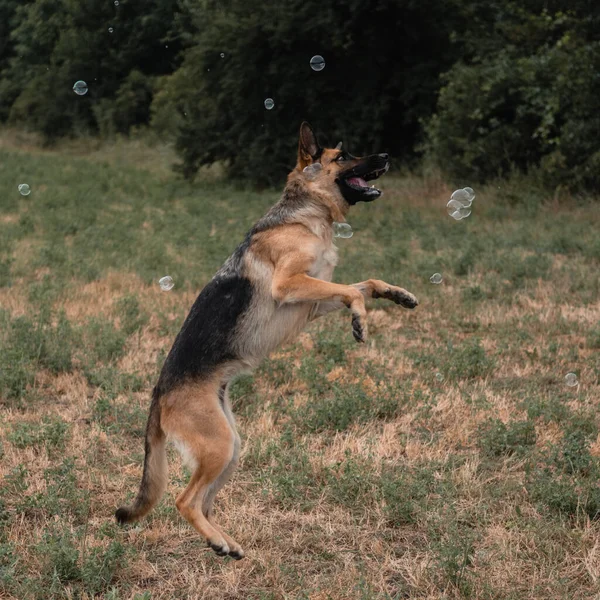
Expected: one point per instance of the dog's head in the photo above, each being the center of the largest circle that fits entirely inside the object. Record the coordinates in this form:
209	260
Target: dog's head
341	173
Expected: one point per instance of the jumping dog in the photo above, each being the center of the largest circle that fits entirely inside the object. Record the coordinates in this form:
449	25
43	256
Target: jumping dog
276	281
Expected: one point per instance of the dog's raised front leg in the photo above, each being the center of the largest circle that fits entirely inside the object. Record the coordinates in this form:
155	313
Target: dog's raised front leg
375	288
371	288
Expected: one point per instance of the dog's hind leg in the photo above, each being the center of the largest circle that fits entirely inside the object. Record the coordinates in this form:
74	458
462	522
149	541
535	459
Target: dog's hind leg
207	505
193	418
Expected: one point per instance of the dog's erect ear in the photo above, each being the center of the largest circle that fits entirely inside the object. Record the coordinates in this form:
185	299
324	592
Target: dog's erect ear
339	146
308	149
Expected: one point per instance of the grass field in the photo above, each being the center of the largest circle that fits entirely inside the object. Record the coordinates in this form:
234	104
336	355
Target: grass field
447	458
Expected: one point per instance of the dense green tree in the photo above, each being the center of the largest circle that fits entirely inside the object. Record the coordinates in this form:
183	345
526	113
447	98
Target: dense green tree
525	96
112	47
383	59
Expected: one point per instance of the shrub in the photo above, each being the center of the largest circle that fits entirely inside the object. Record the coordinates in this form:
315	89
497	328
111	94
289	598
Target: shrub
527	100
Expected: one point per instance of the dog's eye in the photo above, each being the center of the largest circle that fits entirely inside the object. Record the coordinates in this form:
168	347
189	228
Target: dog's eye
341	158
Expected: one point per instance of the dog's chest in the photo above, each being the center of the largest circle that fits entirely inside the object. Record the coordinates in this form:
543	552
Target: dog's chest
325	263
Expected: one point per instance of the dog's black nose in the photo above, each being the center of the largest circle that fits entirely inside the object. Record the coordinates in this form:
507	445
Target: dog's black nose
384	156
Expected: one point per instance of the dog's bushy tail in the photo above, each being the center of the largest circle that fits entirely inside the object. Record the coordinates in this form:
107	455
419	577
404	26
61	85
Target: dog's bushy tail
154	478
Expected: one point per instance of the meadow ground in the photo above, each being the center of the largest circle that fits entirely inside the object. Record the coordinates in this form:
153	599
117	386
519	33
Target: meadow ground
447	458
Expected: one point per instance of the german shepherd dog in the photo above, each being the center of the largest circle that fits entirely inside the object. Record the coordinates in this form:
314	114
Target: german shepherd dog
277	280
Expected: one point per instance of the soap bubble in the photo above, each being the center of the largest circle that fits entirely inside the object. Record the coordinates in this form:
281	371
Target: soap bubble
342	230
110	30
24	189
464	197
269	103
317	63
116	2
454	207
166	283
571	379
436	278
80	88
439	377
222	55
311	171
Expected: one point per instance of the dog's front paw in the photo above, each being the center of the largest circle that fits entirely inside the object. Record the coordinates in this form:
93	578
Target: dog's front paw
359	329
404	298
398	295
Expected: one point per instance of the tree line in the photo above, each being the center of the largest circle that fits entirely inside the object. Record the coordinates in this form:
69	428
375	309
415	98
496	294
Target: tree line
483	88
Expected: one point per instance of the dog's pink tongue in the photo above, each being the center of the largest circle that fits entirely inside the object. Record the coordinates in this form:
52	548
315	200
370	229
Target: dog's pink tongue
357	181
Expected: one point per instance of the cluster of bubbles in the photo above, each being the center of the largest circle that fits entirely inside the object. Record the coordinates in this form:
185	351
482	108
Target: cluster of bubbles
342	230
166	283
24	189
311	171
80	88
436	278
459	205
571	379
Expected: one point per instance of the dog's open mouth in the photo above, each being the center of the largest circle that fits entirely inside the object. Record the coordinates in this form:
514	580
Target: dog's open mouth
355	187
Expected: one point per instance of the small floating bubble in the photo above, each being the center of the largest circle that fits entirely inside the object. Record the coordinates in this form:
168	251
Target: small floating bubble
24	189
436	278
317	63
116	2
166	283
269	103
439	377
311	171
222	54
342	230
110	30
571	379
80	88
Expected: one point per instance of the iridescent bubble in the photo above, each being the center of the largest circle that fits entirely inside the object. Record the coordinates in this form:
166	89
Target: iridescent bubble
317	63
436	278
166	283
110	30
311	171
269	103
80	88
571	379
439	377
222	54
342	230
24	189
